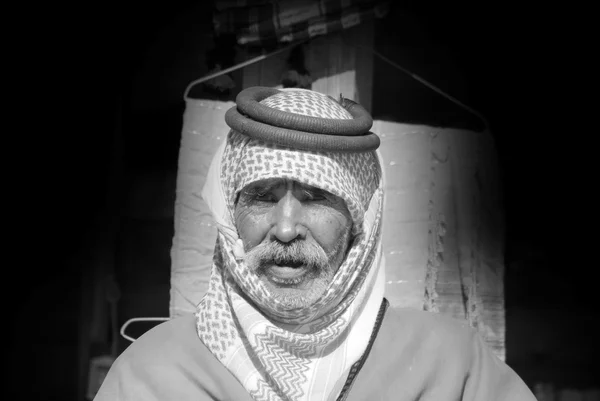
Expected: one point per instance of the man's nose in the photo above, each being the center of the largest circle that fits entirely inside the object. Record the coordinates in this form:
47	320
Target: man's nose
288	220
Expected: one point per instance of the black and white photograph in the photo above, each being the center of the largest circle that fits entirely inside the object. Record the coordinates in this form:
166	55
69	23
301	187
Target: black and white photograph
302	200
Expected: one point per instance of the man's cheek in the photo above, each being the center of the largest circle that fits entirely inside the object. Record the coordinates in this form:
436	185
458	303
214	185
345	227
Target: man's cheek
252	229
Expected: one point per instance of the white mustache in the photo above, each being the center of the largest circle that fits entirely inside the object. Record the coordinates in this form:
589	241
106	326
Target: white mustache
296	252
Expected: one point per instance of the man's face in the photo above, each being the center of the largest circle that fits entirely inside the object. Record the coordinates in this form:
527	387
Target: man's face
295	237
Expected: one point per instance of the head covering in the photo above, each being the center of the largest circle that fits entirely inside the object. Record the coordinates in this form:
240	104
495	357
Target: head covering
279	352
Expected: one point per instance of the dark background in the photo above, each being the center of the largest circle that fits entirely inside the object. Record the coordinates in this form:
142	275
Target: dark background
100	77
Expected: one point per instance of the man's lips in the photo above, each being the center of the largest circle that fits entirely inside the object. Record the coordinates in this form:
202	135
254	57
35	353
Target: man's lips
286	275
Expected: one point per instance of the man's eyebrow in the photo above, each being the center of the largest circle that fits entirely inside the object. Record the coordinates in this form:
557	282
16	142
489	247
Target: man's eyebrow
312	189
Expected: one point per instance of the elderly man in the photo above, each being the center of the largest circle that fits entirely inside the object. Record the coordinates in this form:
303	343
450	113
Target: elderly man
295	308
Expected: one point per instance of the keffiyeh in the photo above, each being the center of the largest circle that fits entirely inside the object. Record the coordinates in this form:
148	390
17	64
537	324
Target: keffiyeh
304	353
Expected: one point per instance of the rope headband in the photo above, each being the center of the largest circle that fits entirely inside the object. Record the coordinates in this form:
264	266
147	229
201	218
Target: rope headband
303	132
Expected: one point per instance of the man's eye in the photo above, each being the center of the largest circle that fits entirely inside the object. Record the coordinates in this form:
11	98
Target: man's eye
264	196
314	195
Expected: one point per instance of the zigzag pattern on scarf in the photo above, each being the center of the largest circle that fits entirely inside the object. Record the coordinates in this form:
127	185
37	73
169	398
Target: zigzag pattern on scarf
266	392
285	355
